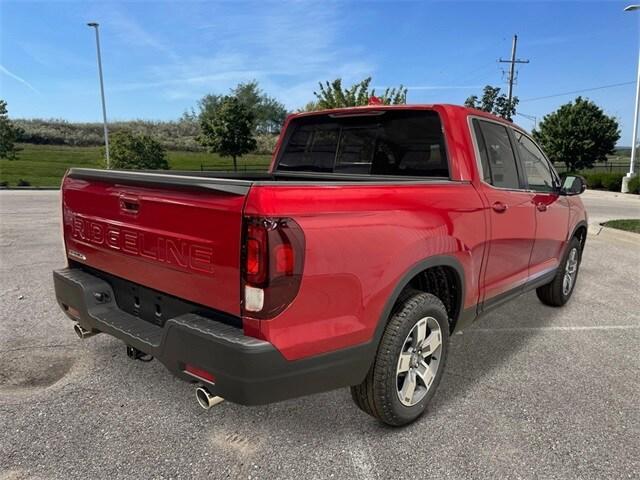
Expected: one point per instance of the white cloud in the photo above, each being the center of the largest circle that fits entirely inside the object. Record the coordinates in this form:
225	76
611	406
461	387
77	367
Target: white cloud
49	55
288	49
132	33
18	79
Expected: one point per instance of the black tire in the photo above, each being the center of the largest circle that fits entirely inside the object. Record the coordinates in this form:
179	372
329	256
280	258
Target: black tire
554	293
378	395
357	394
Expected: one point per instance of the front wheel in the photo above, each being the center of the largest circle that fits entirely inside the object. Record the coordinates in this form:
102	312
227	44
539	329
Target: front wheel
559	291
409	363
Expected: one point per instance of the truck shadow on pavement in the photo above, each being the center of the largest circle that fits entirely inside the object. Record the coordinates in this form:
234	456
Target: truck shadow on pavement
489	345
475	358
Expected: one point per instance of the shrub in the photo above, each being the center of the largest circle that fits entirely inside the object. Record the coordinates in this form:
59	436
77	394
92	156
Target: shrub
266	143
634	185
131	151
24	183
594	180
604	181
612	181
9	134
174	135
4	183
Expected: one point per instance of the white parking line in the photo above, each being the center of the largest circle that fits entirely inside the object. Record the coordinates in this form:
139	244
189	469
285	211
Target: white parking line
535	329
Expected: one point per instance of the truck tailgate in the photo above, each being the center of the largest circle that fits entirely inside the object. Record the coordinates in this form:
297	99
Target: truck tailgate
173	234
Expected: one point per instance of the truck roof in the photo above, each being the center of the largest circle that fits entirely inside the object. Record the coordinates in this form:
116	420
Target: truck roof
450	110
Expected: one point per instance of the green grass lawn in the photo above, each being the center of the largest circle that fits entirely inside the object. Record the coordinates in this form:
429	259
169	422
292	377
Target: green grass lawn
628	225
44	165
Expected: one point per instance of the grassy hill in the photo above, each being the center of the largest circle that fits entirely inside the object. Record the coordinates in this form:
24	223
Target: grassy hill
44	165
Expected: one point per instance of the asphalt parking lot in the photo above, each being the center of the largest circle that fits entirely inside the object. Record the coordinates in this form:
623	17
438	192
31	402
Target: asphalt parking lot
529	391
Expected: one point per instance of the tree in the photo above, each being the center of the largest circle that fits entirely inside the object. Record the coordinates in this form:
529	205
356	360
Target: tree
332	95
268	113
208	106
130	151
9	134
229	130
578	134
493	102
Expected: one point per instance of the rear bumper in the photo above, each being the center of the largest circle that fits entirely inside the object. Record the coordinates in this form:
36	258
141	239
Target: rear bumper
247	370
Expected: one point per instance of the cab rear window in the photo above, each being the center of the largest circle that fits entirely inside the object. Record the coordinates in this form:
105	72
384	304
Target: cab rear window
387	142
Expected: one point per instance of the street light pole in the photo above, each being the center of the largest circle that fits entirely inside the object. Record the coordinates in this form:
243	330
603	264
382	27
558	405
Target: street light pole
634	140
104	107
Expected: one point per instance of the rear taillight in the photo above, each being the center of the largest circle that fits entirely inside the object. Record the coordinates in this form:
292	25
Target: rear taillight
273	258
256	254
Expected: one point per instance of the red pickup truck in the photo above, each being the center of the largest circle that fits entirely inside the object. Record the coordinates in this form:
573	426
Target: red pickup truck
377	232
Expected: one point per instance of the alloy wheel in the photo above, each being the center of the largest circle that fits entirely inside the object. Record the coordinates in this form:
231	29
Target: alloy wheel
419	361
570	272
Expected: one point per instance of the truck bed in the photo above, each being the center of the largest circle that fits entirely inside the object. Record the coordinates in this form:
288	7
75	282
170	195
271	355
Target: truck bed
238	182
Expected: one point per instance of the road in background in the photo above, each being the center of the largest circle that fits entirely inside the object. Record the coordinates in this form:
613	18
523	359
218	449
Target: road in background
603	206
529	391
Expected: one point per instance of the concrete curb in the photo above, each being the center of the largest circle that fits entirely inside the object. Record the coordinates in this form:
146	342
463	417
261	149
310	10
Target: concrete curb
606	233
29	188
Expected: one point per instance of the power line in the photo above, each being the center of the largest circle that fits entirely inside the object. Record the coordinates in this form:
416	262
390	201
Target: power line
602	87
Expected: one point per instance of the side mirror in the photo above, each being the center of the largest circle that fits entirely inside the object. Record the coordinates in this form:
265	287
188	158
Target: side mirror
573	185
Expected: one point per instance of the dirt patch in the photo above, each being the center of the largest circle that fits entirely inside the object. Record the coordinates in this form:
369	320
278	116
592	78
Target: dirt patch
33	369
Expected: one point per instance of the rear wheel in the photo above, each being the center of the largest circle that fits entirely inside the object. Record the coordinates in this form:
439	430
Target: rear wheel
559	291
409	363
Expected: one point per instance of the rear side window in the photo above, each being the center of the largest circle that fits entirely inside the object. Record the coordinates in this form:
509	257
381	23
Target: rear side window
404	143
496	155
482	150
535	165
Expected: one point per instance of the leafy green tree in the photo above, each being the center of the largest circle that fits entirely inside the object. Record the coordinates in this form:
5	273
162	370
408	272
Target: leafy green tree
493	102
309	107
208	106
229	129
333	95
131	151
9	134
268	113
578	134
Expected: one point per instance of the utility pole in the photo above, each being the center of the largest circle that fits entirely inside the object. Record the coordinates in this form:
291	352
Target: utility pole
104	107
512	67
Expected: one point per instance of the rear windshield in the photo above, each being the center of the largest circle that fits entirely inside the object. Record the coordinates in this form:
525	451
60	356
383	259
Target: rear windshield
403	142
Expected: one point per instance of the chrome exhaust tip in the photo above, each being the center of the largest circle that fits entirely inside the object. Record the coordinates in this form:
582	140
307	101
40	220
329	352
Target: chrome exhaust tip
206	399
83	333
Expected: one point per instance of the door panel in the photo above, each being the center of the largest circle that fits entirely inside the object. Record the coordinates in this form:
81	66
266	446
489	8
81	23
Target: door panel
552	220
512	234
511	214
551	209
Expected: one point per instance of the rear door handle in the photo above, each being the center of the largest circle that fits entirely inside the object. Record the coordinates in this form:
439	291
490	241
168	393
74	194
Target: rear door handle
499	207
541	207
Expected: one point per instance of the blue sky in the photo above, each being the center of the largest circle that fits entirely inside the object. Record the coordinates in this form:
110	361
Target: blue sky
160	57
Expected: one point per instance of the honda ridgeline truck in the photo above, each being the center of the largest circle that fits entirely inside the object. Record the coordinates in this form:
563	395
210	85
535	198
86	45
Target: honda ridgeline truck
377	232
